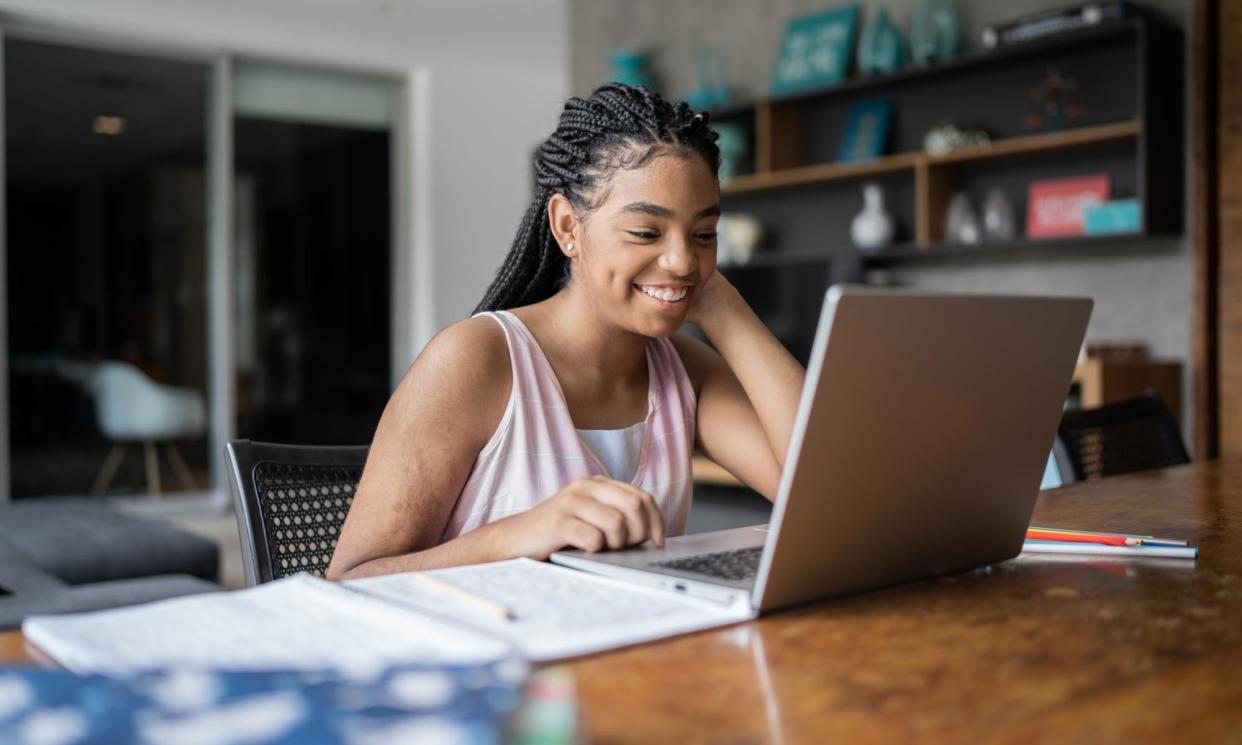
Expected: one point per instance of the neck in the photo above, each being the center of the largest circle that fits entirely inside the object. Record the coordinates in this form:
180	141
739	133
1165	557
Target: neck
598	352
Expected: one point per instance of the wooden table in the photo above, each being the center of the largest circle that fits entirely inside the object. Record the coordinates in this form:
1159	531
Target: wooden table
1033	650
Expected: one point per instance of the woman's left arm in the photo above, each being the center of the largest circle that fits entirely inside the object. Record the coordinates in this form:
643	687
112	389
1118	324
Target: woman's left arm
749	388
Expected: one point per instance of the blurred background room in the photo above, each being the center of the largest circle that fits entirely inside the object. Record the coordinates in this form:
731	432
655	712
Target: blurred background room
244	218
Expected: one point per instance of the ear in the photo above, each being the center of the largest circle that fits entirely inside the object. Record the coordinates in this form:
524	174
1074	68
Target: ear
564	224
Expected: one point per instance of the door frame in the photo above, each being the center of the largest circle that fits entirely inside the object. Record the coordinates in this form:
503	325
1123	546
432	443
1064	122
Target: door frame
412	300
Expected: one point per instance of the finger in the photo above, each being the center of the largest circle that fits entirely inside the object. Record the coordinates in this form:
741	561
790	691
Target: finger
651	512
610	520
655	518
642	514
628	502
579	533
657	521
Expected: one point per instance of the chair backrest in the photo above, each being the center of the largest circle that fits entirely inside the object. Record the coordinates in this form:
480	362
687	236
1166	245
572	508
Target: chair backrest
1131	435
131	406
291	501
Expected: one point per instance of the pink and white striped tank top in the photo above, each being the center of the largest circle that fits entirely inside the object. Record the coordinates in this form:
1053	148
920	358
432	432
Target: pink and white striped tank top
536	450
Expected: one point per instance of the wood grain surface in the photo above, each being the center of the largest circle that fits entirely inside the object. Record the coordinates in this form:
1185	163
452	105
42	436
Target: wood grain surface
1054	649
1228	266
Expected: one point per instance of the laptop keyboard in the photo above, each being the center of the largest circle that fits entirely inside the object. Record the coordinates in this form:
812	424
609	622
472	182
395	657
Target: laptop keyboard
739	564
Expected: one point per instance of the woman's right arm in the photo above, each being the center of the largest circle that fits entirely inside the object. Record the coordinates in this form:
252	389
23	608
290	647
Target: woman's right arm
438	419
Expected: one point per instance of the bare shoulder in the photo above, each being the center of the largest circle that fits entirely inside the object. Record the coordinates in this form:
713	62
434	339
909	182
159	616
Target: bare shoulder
463	372
474	348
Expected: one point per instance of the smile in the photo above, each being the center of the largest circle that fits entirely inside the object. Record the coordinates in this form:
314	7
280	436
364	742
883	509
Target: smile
670	295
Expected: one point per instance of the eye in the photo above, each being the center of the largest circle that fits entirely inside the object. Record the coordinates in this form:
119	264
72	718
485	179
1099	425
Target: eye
646	235
706	236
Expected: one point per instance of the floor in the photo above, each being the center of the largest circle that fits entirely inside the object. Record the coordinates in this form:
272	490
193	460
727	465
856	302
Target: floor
713	509
223	530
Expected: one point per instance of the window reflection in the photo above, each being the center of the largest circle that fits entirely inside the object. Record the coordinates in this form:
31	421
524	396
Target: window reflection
312	257
106	293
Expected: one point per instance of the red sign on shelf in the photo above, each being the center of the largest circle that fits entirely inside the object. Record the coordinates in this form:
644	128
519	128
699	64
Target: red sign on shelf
1054	207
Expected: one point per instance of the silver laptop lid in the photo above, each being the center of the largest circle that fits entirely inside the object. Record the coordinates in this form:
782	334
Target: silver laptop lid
920	439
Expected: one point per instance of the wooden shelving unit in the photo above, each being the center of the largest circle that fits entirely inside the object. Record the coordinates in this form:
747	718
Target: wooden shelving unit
1107	381
912	252
1041	142
1025	247
819	173
1127	74
825	172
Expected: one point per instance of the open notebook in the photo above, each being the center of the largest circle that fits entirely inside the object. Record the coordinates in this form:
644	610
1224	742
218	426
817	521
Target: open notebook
364	625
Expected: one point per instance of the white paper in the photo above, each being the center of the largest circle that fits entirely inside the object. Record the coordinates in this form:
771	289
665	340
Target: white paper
559	612
300	622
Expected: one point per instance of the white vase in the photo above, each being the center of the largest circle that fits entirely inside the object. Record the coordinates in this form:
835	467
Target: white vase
873	227
738	238
961	223
998	221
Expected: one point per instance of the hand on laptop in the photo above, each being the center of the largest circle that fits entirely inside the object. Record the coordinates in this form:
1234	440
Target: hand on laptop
592	514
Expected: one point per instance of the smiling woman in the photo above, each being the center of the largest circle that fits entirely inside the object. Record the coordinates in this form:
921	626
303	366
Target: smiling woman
565	412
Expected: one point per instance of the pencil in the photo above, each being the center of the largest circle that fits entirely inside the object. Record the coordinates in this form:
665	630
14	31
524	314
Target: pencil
1087	532
1107	540
1141	538
1065	547
485	605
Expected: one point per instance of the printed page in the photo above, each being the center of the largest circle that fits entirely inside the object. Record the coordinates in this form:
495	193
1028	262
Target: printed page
299	623
558	612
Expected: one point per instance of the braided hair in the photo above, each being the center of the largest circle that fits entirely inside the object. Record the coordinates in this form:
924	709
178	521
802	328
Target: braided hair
618	127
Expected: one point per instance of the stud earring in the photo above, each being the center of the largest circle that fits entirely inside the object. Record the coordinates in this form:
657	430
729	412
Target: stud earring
569	248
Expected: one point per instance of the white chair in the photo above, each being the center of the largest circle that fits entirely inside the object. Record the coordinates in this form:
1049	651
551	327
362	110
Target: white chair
132	408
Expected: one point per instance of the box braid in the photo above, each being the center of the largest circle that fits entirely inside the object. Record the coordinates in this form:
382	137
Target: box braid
618	127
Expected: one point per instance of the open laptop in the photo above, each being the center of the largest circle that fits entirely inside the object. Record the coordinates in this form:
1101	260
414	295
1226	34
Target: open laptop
918	449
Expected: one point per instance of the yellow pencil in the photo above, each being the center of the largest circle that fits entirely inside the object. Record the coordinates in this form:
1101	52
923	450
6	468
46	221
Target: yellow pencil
485	605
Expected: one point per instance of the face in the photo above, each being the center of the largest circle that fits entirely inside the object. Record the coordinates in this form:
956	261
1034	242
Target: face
646	252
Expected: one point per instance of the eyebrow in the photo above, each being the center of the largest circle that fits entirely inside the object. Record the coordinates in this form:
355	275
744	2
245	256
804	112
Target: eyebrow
655	210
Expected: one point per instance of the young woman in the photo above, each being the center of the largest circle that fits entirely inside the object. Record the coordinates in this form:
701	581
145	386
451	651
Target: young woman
565	412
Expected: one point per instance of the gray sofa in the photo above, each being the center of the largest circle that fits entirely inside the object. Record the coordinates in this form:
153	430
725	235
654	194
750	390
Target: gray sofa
66	555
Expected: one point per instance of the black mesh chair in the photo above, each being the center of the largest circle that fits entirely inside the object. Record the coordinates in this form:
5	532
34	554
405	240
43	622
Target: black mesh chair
291	501
1131	435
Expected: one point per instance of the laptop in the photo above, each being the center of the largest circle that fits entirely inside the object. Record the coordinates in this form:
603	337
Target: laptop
918	449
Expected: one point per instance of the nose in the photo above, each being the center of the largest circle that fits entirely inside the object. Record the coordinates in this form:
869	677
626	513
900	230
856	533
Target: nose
678	257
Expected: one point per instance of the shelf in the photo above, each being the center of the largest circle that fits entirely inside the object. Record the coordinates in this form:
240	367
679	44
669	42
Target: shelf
1015	247
1128	135
819	173
1044	141
961	63
1009	147
911	252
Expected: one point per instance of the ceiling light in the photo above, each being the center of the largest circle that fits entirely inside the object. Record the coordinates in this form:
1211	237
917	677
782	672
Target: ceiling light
109	125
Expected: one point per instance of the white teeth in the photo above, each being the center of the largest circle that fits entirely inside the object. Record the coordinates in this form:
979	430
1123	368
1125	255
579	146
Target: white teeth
668	295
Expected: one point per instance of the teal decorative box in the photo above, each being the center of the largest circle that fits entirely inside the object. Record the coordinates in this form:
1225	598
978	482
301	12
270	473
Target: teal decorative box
816	51
1116	216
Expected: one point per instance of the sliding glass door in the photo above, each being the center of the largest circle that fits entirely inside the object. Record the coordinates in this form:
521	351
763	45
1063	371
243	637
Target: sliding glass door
193	250
313	173
106	299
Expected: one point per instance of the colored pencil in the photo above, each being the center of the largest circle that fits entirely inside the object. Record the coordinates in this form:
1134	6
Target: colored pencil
1142	538
1107	540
